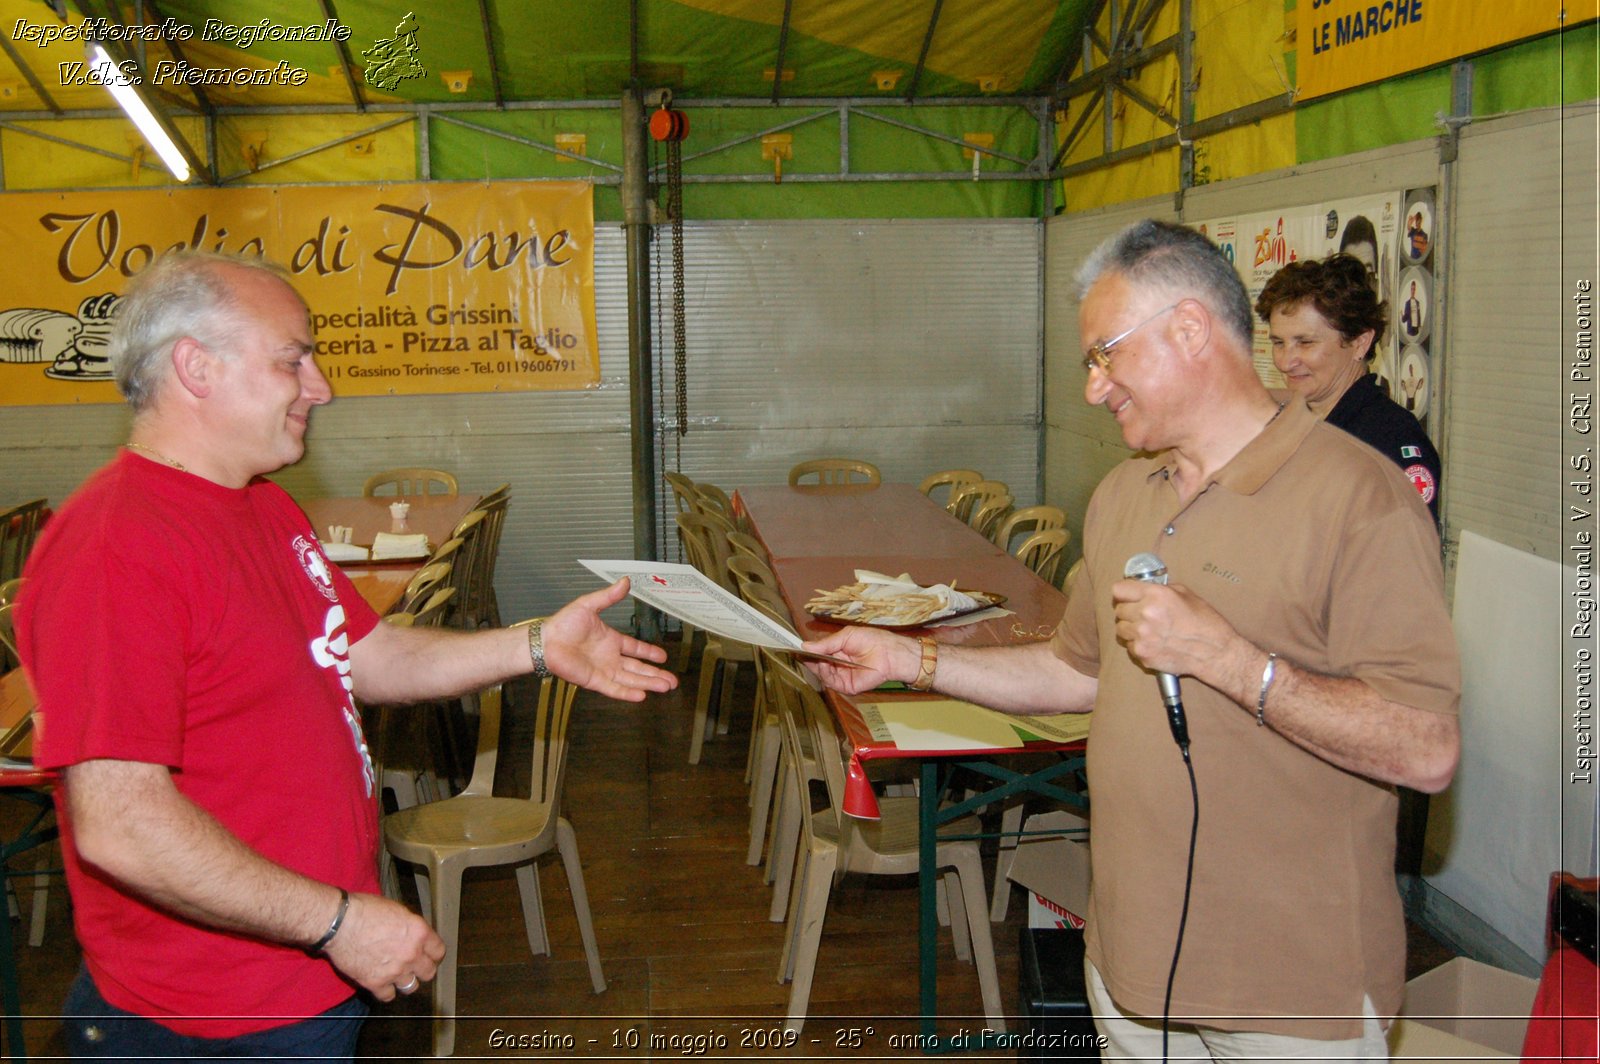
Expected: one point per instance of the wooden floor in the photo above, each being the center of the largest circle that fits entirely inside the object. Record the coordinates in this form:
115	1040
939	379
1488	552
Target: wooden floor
689	954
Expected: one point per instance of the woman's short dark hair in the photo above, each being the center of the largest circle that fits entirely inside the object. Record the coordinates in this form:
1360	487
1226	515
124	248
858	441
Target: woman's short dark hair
1337	287
1359	230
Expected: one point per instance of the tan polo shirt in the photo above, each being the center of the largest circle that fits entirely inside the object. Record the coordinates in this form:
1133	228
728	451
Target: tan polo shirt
1315	546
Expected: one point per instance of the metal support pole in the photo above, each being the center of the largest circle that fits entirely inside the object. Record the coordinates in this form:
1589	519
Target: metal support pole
641	387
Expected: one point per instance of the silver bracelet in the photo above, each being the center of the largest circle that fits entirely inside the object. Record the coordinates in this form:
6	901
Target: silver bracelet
1267	675
536	647
333	928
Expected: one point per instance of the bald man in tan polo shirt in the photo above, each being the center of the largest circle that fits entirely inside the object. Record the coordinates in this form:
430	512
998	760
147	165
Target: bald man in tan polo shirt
1306	622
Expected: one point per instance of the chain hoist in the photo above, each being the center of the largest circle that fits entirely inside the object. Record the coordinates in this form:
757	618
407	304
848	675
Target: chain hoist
670	128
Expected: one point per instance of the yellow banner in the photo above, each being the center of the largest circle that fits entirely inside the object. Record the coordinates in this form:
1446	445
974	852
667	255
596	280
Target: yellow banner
1344	43
413	288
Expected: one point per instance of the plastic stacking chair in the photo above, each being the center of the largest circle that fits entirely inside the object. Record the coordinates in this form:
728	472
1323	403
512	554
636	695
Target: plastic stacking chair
478	607
9	658
705	539
1028	519
950	478
19	528
969	497
682	492
748	545
424	582
1043	551
688	502
476	829
986	516
410	482
836	471
888	846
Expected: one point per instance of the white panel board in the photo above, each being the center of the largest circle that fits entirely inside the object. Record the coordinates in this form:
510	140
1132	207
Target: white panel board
1497	833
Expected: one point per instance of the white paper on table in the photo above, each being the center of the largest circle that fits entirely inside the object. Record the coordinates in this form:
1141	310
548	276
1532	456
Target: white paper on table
343	552
690	595
944	724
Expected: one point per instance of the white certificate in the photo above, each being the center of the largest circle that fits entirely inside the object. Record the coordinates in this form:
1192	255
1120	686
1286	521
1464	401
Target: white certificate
692	596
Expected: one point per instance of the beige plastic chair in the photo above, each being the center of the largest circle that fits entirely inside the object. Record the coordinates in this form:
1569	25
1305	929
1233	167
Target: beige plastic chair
836	471
683	492
748	545
401	753
9	658
1043	552
417	481
424	582
1028	519
765	754
19	528
967	498
987	515
478	607
705	540
476	829
688	502
951	479
776	766
714	498
887	846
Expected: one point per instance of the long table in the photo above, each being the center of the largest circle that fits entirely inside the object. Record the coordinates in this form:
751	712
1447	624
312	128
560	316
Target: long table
817	537
382	585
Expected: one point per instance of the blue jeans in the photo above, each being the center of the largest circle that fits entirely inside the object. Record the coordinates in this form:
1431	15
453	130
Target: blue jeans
97	1029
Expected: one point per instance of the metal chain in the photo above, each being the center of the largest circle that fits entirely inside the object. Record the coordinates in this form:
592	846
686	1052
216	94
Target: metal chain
680	340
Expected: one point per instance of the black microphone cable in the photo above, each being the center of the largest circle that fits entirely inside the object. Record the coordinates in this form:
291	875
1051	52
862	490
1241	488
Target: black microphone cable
1183	916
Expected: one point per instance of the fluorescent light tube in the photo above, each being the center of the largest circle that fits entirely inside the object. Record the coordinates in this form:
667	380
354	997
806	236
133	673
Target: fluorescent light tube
109	75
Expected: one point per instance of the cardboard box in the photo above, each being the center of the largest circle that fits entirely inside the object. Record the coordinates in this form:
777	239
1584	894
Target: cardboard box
1054	869
1463	1003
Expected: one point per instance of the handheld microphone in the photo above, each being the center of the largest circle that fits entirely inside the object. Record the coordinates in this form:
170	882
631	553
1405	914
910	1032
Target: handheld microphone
1152	570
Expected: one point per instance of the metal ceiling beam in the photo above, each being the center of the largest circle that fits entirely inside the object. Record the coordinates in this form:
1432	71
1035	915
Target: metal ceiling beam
1064	75
28	75
524	141
1146	102
345	62
947	138
178	54
1078	127
444	106
783	47
1207	127
922	57
633	43
28	131
1115	66
494	61
357	135
200	166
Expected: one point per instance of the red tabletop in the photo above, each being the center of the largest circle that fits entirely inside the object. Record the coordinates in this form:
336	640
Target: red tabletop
838	520
819	535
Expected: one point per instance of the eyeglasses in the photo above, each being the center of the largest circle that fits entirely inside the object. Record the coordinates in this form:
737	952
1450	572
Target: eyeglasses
1100	354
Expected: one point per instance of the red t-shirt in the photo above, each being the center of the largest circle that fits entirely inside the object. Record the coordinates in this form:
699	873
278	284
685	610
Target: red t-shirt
171	620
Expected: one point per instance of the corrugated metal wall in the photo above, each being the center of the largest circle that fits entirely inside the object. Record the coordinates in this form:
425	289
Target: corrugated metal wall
911	344
1525	231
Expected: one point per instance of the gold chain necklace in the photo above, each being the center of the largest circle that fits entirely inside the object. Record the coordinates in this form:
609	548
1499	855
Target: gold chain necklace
152	452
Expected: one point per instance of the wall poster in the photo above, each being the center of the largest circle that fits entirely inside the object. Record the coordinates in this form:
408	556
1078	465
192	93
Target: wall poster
1391	233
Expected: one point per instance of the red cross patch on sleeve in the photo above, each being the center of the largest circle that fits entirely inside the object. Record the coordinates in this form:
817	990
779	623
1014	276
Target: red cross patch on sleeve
1423	479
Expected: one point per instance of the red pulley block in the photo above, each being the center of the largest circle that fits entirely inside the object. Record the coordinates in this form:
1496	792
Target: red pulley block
667	124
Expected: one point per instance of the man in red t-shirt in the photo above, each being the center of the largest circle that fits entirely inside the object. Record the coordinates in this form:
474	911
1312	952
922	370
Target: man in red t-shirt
196	661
